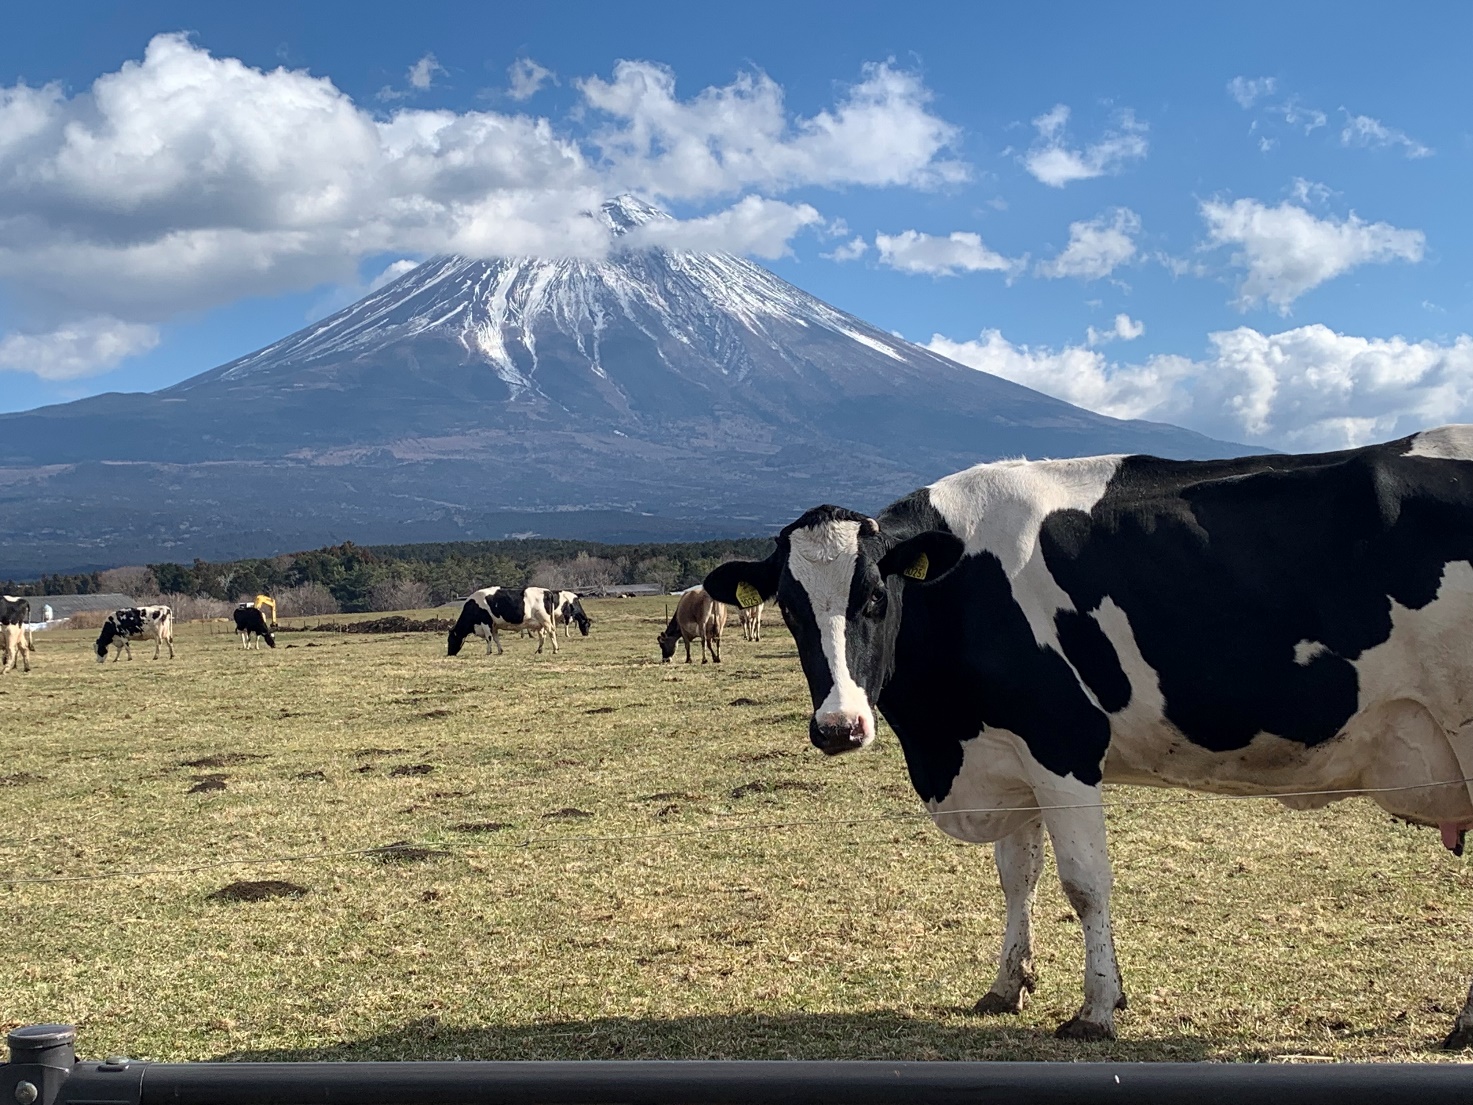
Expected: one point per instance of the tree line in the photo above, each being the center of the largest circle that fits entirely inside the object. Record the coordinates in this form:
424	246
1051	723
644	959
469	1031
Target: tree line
351	577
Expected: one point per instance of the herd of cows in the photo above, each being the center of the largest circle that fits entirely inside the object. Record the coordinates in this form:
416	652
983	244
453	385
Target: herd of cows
1290	626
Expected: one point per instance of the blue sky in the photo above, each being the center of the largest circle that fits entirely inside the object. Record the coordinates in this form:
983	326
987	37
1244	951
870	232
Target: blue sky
1251	219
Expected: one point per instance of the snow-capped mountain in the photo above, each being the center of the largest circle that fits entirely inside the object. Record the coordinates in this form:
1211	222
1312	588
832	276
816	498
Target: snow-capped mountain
673	391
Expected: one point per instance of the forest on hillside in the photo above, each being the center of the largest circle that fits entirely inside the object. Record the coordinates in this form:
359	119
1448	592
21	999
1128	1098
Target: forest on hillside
350	577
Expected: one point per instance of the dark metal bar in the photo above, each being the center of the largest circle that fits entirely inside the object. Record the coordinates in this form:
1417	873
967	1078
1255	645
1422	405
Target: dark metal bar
40	1057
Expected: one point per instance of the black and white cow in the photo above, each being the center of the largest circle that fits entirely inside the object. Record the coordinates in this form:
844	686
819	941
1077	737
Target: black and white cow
137	623
250	623
14	611
494	608
1031	630
569	613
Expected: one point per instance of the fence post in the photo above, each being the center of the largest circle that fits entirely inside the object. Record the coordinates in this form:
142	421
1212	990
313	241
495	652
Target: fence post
41	1058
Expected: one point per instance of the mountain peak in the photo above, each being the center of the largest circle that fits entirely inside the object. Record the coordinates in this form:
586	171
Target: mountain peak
625	212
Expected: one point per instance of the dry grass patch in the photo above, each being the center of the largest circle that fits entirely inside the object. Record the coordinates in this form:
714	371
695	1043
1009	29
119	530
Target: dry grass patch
617	858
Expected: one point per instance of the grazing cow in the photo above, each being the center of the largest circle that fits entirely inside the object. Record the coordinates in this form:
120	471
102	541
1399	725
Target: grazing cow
1275	625
250	623
696	617
14	611
15	644
569	612
751	622
493	608
137	623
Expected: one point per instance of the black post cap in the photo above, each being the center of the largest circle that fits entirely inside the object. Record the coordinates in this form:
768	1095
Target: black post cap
43	1043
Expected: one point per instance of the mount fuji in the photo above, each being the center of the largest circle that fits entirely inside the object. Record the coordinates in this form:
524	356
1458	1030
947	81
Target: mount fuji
655	394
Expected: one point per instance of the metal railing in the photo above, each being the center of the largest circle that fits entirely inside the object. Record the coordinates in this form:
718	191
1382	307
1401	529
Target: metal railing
43	1070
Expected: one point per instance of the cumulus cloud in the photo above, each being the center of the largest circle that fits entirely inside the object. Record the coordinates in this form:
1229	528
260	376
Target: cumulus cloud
1096	247
82	348
754	225
737	136
1249	90
852	250
183	180
421	76
1052	161
960	251
1124	328
1287	251
1362	130
526	79
1303	389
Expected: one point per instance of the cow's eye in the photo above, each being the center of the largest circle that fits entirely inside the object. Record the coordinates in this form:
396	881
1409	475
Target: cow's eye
874	606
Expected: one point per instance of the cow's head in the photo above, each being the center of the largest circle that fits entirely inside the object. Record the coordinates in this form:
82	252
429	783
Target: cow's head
667	642
471	615
109	631
576	615
842	583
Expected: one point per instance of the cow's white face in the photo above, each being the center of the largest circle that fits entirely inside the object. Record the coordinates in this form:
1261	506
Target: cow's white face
841	583
821	564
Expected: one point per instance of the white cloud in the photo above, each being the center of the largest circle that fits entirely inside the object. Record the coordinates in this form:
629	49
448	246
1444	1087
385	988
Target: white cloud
422	73
753	225
183	180
82	348
1295	113
1303	389
738	136
527	78
1096	248
1051	161
1362	130
852	250
1124	328
1287	251
1249	90
960	251
1309	191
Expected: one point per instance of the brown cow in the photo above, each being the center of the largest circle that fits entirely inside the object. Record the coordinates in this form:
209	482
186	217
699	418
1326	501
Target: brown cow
751	622
696	616
15	646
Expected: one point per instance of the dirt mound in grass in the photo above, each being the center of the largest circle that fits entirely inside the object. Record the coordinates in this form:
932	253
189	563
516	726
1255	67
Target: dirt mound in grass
395	623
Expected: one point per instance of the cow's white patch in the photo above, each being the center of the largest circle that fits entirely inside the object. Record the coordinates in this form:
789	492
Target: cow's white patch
992	795
1444	443
821	560
999	508
1305	651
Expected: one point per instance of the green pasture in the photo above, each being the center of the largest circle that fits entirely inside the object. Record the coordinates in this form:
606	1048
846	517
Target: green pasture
609	857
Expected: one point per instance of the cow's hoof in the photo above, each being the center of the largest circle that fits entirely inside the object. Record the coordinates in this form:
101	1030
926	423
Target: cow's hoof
1076	1028
1459	1038
995	1004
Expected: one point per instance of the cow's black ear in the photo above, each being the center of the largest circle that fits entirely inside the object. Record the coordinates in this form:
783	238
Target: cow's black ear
925	558
744	583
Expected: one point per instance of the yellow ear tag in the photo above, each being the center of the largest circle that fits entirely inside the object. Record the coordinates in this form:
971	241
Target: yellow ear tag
919	569
748	596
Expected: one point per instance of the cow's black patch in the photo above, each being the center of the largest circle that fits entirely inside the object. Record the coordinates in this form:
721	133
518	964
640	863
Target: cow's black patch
1222	572
1093	656
509	606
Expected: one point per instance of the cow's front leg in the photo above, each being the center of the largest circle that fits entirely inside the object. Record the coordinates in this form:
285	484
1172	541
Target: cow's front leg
496	637
1019	862
1084	870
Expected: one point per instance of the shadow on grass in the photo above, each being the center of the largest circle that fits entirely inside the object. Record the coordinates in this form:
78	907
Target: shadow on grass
881	1034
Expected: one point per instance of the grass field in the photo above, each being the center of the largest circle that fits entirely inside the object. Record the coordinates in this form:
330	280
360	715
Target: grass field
631	860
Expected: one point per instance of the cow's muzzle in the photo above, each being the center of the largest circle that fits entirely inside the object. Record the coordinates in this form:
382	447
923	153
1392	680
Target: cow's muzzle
835	733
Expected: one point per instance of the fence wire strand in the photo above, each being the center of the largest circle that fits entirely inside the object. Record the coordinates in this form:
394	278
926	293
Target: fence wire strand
563	839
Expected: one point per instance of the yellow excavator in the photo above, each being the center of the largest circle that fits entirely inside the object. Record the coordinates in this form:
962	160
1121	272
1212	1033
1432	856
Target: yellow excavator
266	602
